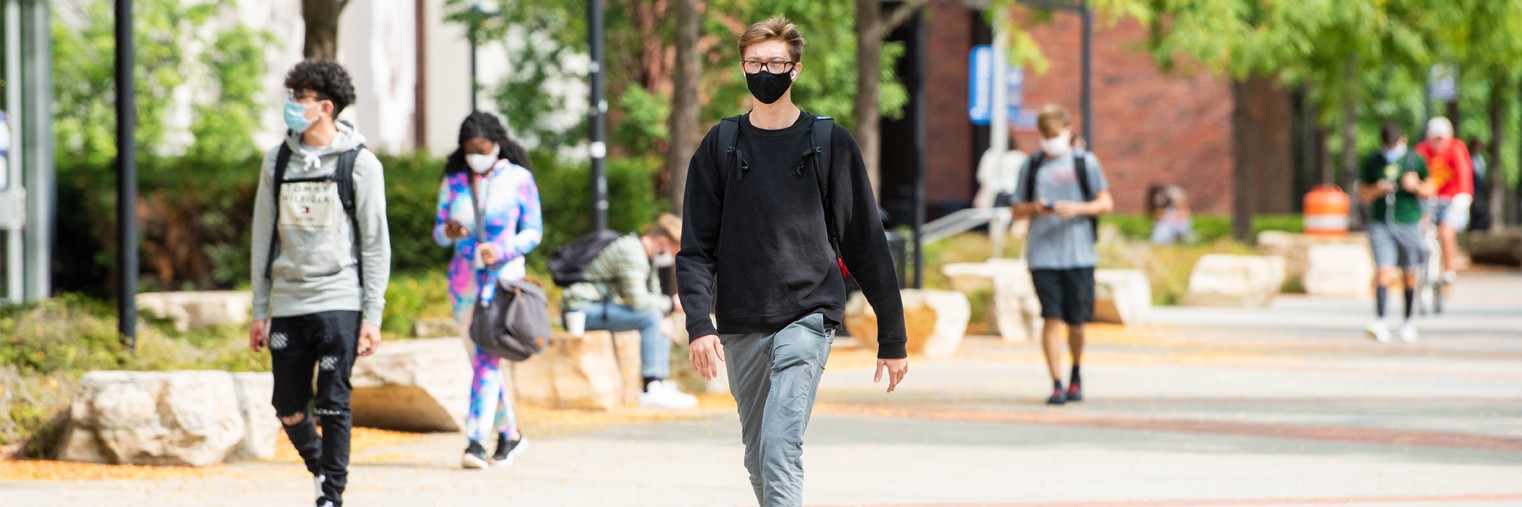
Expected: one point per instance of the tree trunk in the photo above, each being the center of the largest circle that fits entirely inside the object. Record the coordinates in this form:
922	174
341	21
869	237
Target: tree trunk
321	17
1349	175
1242	194
683	123
1454	117
869	42
1495	199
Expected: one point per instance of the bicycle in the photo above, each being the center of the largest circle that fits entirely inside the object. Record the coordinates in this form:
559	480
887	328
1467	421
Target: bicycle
1429	275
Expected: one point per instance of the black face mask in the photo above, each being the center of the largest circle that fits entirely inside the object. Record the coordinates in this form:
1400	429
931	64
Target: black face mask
768	87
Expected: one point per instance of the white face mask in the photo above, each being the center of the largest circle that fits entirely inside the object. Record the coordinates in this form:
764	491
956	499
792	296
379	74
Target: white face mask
483	163
1058	146
664	260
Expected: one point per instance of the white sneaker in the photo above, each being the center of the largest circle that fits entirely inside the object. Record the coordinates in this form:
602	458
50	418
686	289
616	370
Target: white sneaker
1378	331
664	394
1450	277
1407	332
317	484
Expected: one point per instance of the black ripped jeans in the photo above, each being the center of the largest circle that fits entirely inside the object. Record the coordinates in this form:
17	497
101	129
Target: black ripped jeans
329	341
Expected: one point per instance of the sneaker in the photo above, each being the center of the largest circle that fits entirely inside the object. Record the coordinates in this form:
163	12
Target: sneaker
1075	393
1407	333
1378	331
1058	397
664	394
507	450
475	456
1450	277
323	502
317	484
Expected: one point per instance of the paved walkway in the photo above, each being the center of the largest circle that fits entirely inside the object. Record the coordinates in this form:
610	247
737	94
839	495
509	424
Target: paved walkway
1290	406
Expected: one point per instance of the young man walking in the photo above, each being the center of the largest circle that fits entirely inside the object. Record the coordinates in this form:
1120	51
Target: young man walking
768	194
623	293
1063	189
321	259
1394	181
1452	173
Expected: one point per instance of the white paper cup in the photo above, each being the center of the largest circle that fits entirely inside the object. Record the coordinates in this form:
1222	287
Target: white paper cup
576	323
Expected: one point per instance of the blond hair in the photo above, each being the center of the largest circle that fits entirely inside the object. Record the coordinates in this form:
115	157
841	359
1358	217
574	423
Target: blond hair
666	226
1052	119
776	28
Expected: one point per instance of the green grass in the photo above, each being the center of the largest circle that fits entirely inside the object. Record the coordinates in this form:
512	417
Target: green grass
1208	228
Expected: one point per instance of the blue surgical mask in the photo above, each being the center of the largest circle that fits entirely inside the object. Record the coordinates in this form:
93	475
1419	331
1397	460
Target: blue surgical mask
296	116
1393	155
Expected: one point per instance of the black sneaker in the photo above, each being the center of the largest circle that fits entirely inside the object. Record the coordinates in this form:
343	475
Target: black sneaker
507	450
1057	398
475	456
1075	393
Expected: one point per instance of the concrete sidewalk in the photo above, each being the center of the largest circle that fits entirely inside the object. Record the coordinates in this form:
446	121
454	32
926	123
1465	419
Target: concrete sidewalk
1287	406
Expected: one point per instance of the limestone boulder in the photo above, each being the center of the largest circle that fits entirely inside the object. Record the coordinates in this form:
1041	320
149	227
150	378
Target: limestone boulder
198	308
183	418
1014	312
1295	248
1338	270
1502	246
1247	281
261	427
1122	296
436	327
599	370
935	320
968	277
413	385
681	368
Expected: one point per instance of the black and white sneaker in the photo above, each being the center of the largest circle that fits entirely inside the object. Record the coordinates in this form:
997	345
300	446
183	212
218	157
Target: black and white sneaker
323	502
508	450
475	456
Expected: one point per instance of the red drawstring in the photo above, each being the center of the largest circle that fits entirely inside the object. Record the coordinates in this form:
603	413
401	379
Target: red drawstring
843	271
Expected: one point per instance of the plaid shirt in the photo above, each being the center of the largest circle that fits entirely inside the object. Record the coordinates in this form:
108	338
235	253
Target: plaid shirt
622	271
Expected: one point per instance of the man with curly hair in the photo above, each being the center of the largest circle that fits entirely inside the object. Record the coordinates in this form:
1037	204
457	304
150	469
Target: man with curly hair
321	257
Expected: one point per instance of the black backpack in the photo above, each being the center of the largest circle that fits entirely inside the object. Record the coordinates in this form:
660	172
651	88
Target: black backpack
343	175
1080	169
568	266
820	134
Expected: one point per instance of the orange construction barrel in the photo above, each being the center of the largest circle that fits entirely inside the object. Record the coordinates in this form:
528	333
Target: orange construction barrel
1326	211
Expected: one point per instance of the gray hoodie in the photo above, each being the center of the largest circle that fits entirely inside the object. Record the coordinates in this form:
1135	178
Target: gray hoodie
314	269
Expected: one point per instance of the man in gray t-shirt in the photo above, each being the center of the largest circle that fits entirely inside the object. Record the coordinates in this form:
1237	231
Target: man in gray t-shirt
1060	246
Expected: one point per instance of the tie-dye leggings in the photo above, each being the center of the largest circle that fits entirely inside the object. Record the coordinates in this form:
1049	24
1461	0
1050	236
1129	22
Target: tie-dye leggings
488	400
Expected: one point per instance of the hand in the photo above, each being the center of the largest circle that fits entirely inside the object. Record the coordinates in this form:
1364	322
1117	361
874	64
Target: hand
667	326
488	253
1385	187
676	304
369	338
453	230
257	333
1043	207
702	352
1411	182
897	368
1069	209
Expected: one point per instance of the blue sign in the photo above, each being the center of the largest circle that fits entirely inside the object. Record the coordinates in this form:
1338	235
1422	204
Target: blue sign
980	72
980	100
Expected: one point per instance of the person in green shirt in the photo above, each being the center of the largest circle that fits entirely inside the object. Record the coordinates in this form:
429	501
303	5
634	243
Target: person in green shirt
1394	182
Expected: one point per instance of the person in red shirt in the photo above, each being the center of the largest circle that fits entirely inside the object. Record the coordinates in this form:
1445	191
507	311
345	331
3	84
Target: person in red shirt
1452	172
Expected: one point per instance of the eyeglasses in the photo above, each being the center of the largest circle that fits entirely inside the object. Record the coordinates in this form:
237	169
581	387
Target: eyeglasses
294	96
774	67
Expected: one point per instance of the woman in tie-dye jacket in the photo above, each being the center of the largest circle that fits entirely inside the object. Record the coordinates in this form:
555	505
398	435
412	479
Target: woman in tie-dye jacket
490	165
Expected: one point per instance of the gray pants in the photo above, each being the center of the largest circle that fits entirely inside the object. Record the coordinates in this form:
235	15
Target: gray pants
774	377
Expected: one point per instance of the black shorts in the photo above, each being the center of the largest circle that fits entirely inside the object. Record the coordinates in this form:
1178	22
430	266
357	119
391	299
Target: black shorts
1066	294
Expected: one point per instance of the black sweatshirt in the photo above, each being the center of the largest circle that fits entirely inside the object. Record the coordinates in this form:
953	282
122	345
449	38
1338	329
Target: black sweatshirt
762	231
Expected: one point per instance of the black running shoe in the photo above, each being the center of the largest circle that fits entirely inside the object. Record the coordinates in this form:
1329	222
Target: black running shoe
1057	398
507	450
1075	393
475	456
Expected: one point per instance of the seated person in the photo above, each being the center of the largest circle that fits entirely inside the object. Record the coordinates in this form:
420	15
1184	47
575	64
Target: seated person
623	293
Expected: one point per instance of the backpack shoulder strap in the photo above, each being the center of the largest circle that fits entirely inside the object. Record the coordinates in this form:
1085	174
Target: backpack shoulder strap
1034	163
729	138
1081	170
821	134
344	177
282	159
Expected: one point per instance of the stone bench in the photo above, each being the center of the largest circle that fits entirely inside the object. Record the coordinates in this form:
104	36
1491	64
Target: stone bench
1338	270
413	385
1246	281
1014	313
1122	296
198	308
181	418
599	370
935	321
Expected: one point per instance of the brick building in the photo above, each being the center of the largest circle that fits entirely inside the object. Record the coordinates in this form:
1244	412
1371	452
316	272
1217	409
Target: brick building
1150	126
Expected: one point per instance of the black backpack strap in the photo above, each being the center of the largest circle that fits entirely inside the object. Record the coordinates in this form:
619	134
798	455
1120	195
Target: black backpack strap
729	138
1034	163
820	135
1081	170
282	159
344	176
